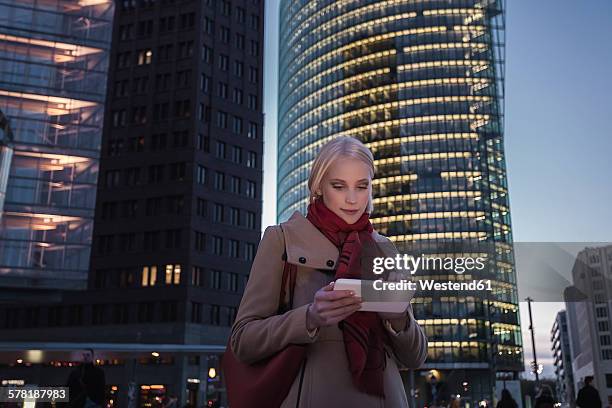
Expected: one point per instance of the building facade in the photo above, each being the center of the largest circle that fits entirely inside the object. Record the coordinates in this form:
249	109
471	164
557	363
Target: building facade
422	85
562	360
178	203
587	304
53	66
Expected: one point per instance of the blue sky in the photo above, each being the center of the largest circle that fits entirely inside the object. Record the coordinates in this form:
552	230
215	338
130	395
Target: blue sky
558	134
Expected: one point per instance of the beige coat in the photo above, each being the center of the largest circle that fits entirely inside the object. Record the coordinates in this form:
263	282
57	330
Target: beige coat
258	332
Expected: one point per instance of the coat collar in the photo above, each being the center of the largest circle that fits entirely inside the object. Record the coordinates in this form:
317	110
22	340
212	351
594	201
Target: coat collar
307	246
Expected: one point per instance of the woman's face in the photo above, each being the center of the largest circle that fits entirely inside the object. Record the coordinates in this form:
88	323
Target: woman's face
346	188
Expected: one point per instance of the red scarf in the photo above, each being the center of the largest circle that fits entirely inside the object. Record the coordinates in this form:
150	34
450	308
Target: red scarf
363	332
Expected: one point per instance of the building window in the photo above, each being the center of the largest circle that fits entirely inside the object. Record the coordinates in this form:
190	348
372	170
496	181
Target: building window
222	120
201	175
601	311
254	48
177	171
252	160
238	68
168	311
215	279
239	41
250	190
196	312
237	125
249	251
252	134
250	220
173	274
151	241
234	218
235	185
196	276
214	315
201	206
205	83
203	143
236	154
156	173
199	241
226	8
254	22
222	90
207	54
209	25
253	102
182	109
604	340
97	315
173	238
237	96
218	213
145	312
185	49
225	34
234	248
223	62
123	59
220	152
240	15
219	181
253	75
149	275
232	282
217	245
158	141
144	57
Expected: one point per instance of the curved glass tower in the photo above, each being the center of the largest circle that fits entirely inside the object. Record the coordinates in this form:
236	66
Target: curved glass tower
53	66
422	84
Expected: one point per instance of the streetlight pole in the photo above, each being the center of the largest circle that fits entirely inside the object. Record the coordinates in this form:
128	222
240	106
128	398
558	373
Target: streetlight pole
535	358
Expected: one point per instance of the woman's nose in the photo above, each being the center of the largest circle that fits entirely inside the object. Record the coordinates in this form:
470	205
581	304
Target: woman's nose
350	198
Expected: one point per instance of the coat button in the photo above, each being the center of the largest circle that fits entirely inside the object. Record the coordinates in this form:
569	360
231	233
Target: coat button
302	259
330	263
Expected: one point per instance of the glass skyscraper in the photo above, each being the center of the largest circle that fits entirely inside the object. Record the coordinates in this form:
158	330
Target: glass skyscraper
53	66
422	84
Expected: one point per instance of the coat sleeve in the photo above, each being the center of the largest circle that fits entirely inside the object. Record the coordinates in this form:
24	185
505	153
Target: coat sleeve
409	345
258	332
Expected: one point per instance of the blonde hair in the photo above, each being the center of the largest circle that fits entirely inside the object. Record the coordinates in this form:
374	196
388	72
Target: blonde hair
341	146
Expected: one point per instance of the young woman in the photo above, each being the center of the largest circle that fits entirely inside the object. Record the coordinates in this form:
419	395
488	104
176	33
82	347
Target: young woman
352	356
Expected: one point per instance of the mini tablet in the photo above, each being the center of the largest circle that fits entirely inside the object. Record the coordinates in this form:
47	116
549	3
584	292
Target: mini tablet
379	301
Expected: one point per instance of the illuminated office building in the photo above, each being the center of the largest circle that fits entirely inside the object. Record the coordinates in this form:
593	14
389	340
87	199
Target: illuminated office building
53	65
421	83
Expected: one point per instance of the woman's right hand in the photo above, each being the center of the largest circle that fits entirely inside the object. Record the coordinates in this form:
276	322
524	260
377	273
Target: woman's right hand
331	306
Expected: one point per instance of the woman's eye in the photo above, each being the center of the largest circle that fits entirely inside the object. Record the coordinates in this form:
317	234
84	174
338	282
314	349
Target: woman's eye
363	187
337	187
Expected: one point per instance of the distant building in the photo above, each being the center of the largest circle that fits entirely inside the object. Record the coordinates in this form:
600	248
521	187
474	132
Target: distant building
559	337
589	320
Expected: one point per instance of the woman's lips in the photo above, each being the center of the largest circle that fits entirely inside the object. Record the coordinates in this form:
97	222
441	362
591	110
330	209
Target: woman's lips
351	212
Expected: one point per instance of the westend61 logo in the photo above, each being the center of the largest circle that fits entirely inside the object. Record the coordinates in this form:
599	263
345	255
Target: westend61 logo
402	264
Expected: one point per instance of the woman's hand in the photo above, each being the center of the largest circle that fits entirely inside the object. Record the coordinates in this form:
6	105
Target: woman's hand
331	306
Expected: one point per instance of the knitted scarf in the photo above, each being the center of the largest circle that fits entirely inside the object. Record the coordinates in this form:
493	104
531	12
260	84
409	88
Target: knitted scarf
363	332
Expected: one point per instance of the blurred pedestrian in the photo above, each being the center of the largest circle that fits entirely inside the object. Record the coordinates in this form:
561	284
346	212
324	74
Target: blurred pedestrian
506	400
588	396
